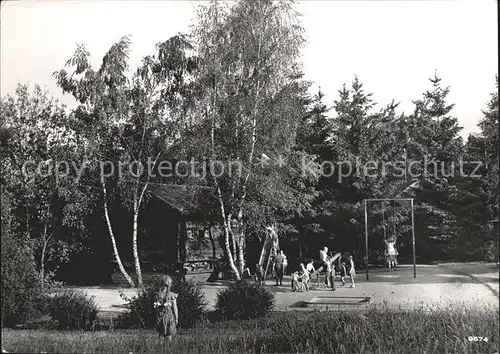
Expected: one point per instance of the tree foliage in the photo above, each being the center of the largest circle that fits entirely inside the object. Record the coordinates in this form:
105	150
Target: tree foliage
20	283
232	93
130	123
39	147
251	107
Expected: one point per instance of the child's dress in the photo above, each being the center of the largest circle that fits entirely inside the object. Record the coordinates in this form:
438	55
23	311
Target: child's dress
298	282
391	251
352	271
165	319
305	279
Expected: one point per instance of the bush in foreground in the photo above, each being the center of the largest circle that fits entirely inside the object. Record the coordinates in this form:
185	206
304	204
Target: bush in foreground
73	310
191	304
20	284
377	331
243	300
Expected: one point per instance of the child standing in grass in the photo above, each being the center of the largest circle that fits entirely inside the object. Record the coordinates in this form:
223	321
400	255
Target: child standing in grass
167	313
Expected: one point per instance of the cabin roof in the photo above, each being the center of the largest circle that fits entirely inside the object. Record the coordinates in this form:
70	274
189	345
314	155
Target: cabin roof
404	187
184	199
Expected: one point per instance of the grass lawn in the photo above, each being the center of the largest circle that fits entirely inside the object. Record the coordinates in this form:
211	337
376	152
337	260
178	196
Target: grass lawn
376	331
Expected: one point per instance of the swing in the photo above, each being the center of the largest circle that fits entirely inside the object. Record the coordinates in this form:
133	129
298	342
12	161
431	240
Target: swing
402	204
383	222
390	252
383	228
395	233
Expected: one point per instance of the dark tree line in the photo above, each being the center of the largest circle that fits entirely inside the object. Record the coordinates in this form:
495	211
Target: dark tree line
233	91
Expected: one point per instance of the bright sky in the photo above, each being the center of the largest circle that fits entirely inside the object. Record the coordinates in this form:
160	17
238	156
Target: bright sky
393	46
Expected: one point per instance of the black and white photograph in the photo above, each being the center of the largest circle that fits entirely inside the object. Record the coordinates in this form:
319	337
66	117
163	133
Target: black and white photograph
249	176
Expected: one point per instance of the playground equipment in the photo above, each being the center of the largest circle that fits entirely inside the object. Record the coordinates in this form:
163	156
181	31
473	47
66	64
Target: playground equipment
316	275
394	200
269	249
338	302
390	251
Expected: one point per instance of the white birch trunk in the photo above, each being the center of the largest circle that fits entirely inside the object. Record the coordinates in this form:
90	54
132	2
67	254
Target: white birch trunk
135	251
42	258
112	236
137	204
226	236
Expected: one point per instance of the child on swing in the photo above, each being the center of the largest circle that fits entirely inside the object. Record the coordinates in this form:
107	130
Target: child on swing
391	253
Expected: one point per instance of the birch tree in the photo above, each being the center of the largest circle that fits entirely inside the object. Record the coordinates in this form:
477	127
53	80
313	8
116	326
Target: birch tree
249	53
130	122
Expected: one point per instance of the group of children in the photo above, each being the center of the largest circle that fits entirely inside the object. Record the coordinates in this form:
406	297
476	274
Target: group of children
301	278
166	301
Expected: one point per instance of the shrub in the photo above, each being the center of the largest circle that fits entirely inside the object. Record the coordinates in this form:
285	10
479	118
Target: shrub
20	283
191	304
244	300
73	310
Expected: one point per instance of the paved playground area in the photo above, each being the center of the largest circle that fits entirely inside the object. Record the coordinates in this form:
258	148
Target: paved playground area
475	284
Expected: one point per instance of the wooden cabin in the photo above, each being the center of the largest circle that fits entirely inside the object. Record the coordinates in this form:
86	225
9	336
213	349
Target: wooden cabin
174	216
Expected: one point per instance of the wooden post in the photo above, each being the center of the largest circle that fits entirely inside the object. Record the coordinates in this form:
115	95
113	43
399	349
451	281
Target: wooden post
300	248
494	230
413	240
366	238
212	241
182	240
173	243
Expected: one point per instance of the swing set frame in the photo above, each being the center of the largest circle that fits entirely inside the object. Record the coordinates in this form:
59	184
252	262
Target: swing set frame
366	201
